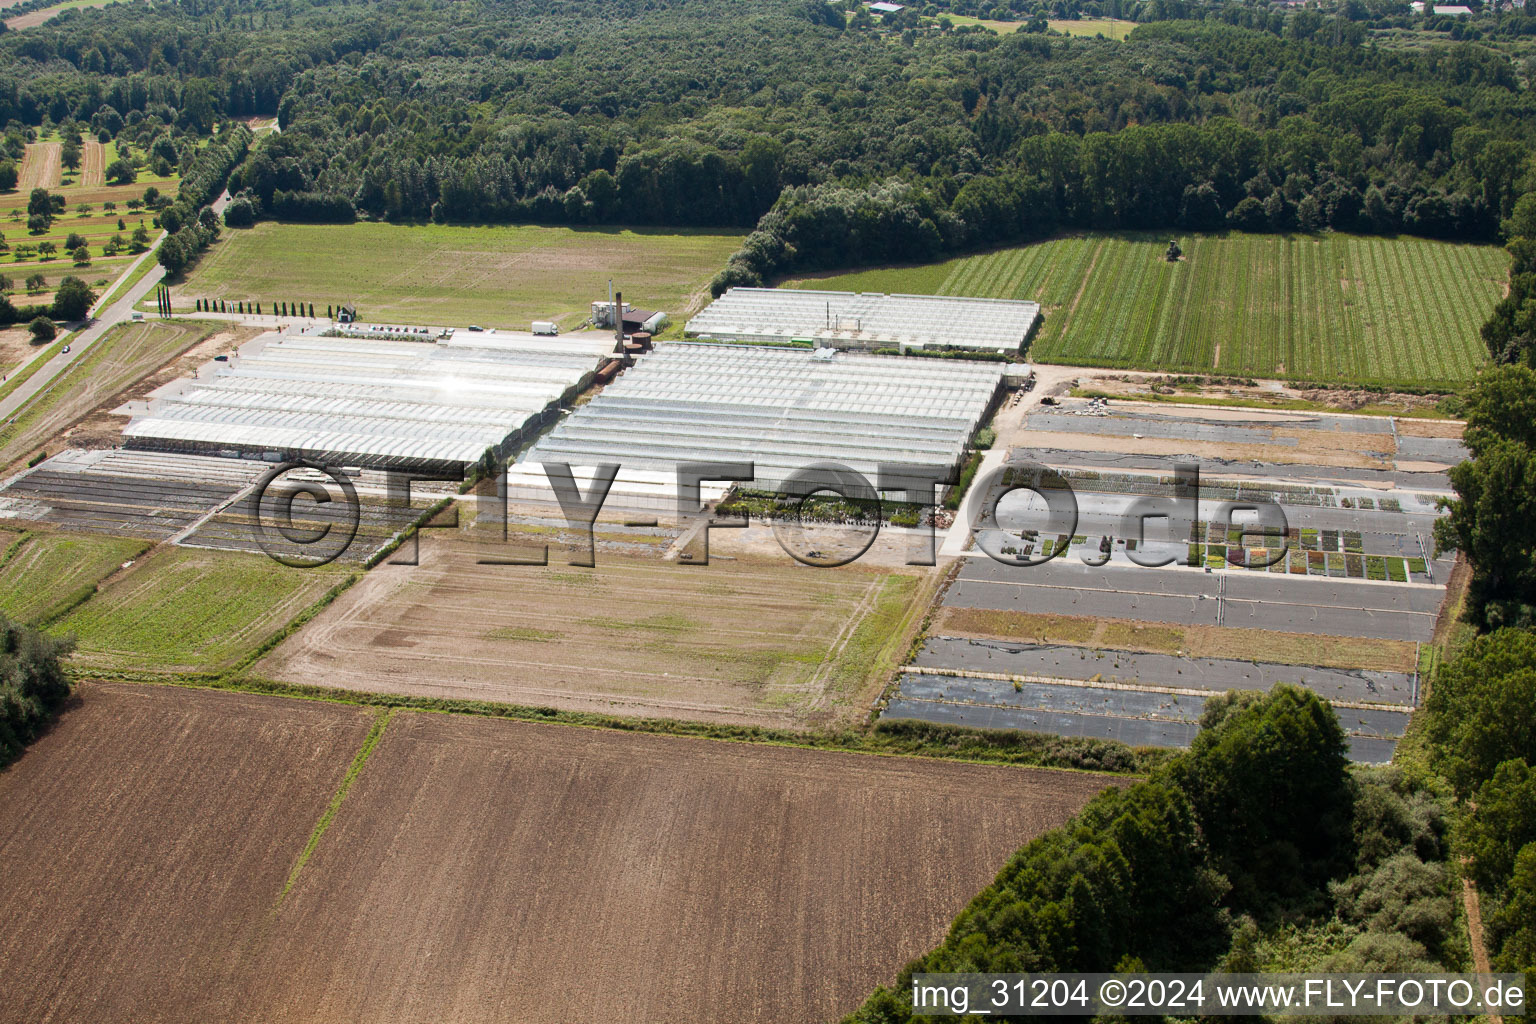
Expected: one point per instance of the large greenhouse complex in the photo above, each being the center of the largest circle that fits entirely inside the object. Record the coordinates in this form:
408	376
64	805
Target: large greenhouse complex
867	320
380	404
782	409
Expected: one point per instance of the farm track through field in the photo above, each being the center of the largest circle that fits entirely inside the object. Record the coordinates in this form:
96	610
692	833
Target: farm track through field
41	166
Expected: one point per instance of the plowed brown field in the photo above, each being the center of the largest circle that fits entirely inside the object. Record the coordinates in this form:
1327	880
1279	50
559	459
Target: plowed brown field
144	838
478	870
487	871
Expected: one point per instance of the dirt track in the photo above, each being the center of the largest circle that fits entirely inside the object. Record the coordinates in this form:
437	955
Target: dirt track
41	166
477	871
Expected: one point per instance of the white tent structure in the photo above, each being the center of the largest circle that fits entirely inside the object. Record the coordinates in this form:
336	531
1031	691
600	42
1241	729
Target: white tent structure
782	409
867	320
375	403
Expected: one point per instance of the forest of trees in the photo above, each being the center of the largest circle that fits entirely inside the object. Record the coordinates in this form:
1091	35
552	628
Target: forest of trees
1261	822
33	686
842	144
1481	717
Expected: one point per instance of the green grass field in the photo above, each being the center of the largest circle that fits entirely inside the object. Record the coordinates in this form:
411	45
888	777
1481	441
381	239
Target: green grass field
1327	307
448	275
46	574
190	610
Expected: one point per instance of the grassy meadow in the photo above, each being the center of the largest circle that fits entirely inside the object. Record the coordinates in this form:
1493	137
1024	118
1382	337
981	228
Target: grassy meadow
192	610
1328	307
44	575
503	276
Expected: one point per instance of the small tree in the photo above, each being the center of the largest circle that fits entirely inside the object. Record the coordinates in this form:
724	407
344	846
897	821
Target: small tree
36	283
74	241
121	172
38	224
151	197
70	155
6	285
109	207
83	210
42	330
81	255
46	250
73	299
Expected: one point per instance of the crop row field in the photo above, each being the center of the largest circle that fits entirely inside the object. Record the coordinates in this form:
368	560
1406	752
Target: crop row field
247	858
1329	307
449	275
191	610
45	574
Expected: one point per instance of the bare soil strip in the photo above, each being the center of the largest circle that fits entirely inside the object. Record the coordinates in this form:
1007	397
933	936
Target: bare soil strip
1193	641
41	166
751	641
93	167
145	836
34	18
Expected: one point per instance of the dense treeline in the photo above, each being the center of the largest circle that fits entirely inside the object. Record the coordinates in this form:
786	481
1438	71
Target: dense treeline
1481	721
1261	821
33	686
190	221
702	112
1480	714
1492	521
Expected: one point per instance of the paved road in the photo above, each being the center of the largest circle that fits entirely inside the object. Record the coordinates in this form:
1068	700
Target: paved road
101	321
